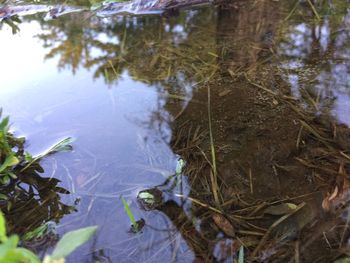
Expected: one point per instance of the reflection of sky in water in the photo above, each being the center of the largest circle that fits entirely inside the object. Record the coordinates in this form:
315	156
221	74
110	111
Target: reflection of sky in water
117	144
319	65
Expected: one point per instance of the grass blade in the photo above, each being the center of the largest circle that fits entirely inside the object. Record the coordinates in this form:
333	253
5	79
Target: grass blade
241	255
128	212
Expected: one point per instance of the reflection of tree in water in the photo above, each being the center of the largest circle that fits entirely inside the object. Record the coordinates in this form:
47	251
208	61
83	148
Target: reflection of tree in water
316	57
67	39
257	134
33	200
29	201
152	49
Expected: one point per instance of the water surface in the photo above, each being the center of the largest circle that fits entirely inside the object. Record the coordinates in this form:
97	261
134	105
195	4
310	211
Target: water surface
133	92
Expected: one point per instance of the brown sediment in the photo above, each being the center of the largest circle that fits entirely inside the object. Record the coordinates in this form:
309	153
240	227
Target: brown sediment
269	149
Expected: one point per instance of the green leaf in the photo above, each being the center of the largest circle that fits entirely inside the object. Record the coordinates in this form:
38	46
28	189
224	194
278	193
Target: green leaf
71	241
10	242
9	161
21	255
128	211
4	124
3	236
5	179
6	247
62	146
12	175
241	255
28	157
281	209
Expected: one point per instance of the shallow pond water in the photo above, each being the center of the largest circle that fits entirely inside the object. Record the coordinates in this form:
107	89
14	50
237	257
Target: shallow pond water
133	92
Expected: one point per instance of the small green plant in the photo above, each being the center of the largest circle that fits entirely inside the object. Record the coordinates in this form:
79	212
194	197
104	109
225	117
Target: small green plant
9	250
136	226
12	153
8	158
11	253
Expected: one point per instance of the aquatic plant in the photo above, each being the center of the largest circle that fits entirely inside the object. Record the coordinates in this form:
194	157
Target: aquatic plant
136	226
8	157
11	252
29	201
13	156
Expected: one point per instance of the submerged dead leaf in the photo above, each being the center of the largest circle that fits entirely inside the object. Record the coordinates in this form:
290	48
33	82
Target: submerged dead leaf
339	193
224	93
224	225
334	194
246	241
281	209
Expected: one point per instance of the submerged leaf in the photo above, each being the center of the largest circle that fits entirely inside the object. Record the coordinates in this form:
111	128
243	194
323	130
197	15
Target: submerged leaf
281	209
39	231
334	194
224	225
62	146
